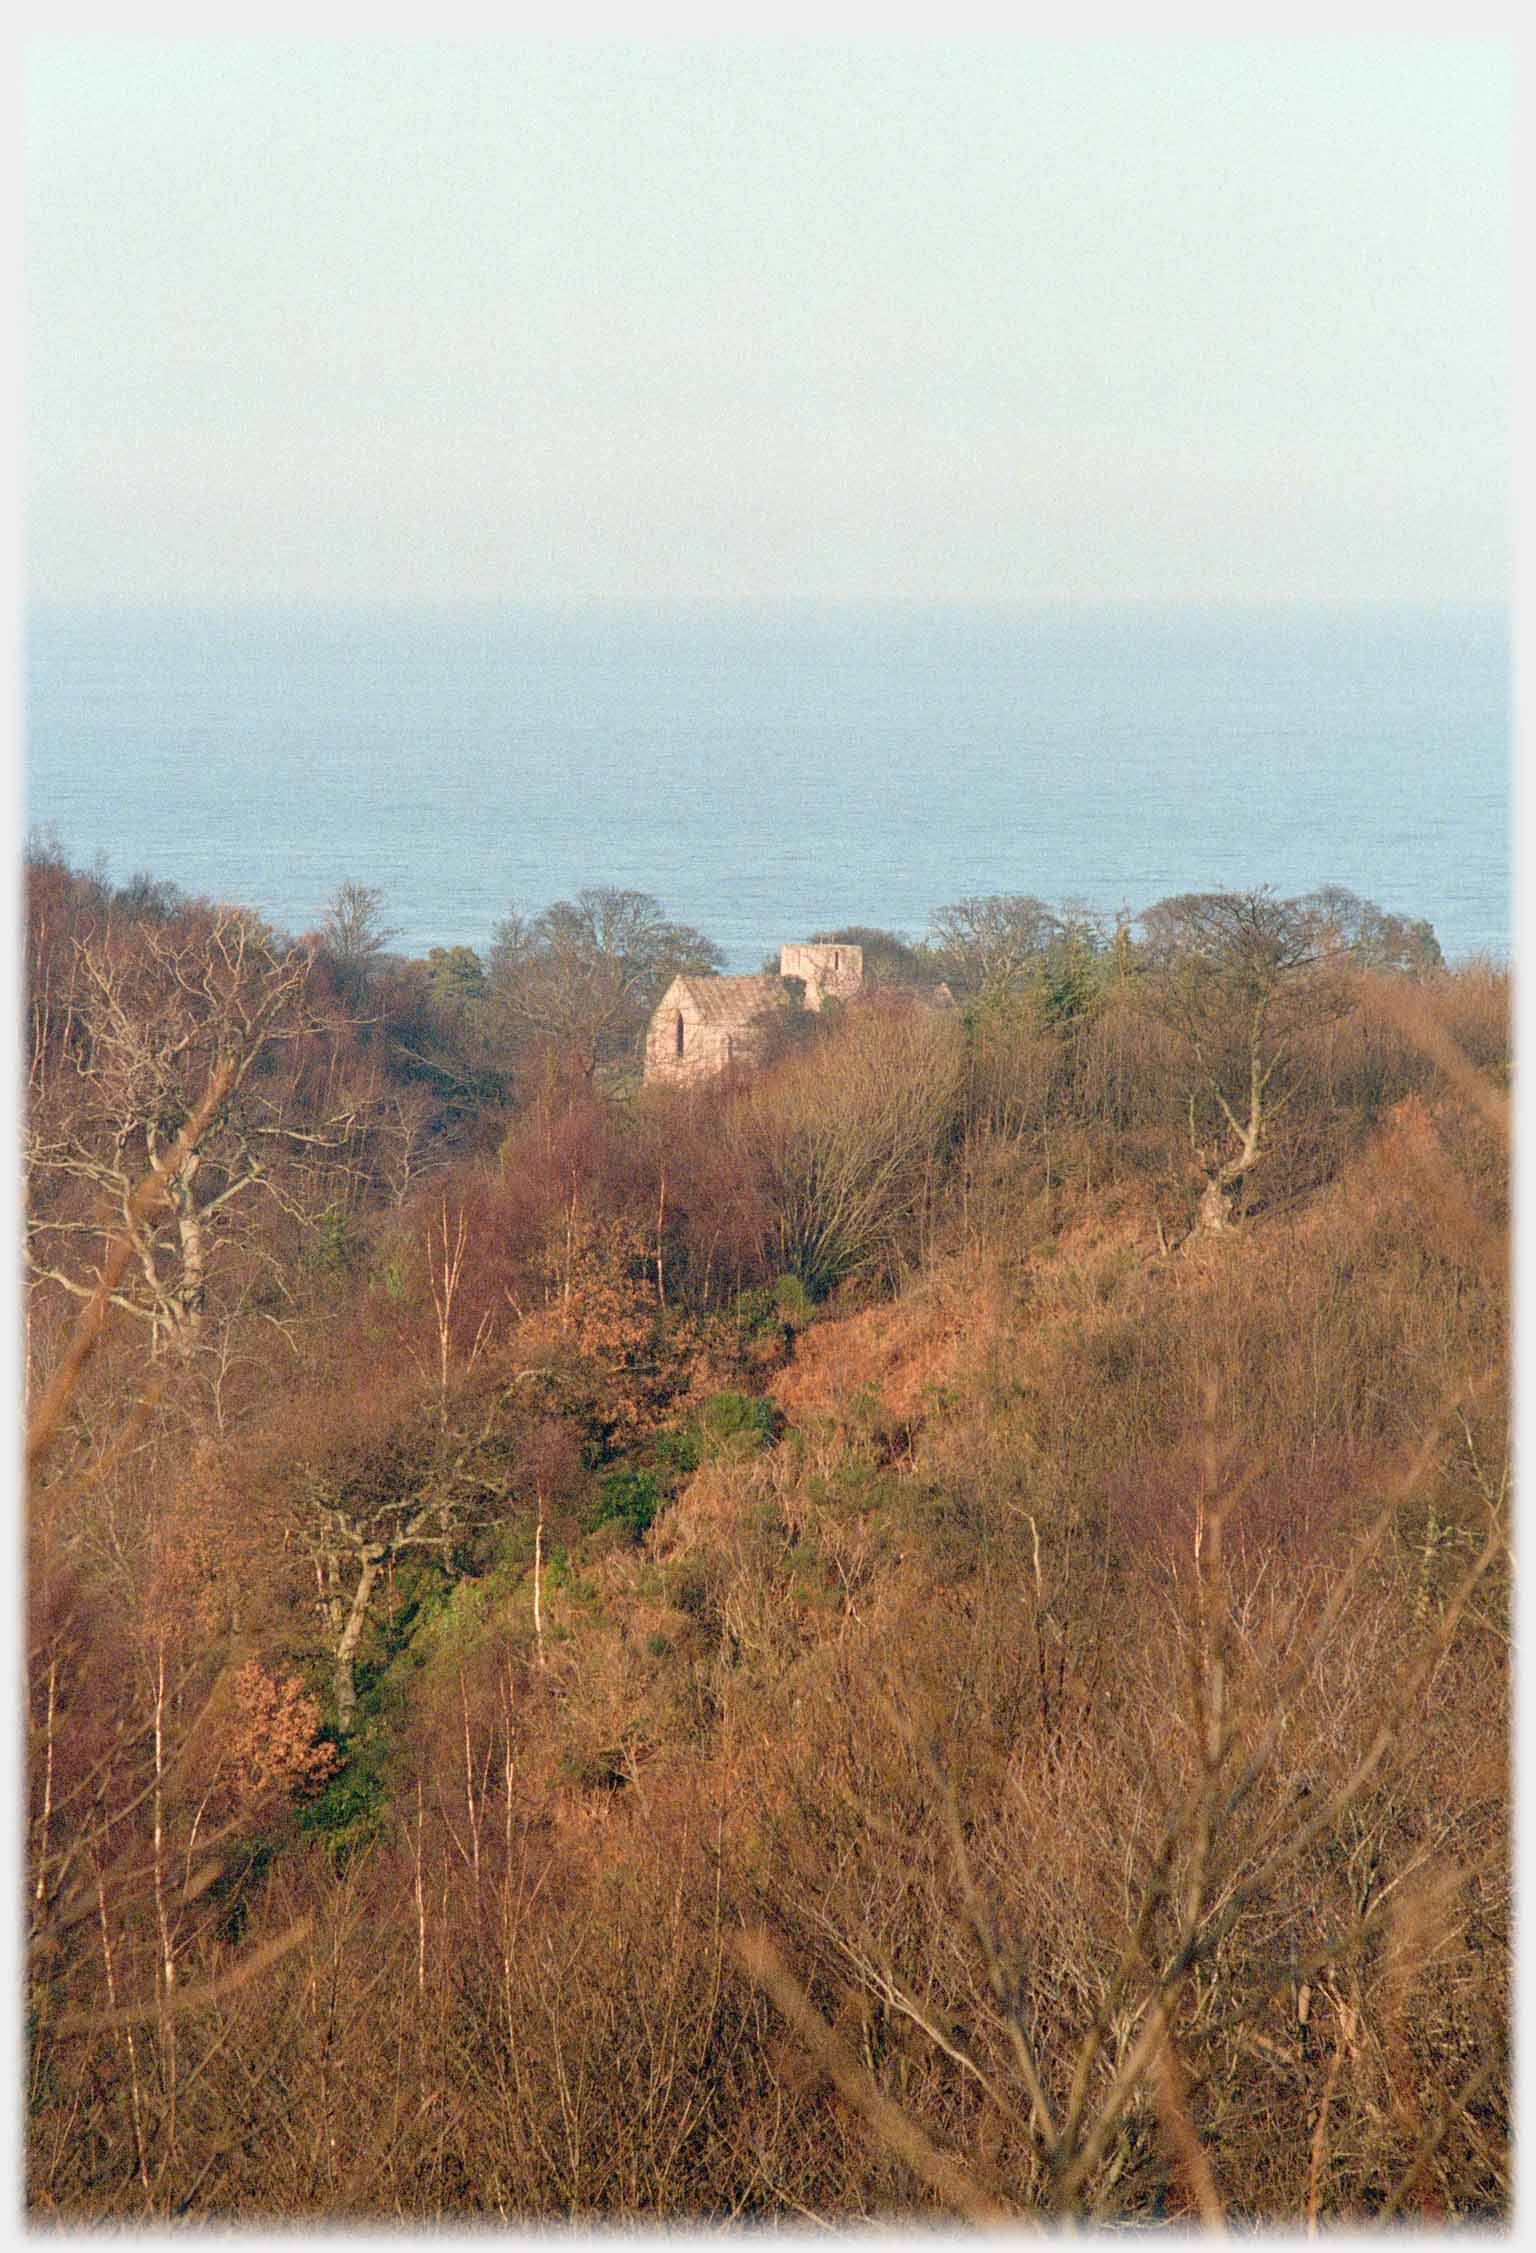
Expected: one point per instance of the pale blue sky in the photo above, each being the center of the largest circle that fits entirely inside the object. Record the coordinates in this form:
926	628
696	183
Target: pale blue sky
965	320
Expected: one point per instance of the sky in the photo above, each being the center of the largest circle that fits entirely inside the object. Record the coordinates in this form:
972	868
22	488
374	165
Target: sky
961	321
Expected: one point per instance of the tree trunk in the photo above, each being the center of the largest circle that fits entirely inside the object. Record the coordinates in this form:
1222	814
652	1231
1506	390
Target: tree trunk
538	1579
1214	1213
346	1686
192	1297
1215	1210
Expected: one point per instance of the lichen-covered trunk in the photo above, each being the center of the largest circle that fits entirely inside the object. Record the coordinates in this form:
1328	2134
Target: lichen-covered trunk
1214	1211
191	1298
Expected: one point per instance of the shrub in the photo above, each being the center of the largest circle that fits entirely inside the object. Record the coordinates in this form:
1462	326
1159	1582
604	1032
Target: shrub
734	1424
335	1247
350	1813
849	1139
629	1496
677	1449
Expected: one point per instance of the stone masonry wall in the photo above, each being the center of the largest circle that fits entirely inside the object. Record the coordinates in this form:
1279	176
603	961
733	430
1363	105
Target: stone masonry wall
830	972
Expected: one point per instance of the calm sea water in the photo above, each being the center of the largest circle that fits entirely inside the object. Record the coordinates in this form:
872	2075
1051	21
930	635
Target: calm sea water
770	774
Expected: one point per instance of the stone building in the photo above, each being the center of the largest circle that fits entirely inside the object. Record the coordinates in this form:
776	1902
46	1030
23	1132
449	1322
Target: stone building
829	973
704	1026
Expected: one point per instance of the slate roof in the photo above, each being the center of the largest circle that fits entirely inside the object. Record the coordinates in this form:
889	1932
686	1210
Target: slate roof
730	1001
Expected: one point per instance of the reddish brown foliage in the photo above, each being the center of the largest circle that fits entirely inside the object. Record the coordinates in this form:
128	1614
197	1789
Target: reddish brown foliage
1098	1692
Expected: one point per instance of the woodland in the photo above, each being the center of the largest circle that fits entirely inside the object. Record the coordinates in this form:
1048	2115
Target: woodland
922	1633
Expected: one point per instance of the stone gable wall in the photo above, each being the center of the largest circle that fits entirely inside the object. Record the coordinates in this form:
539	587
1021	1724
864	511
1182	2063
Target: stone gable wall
709	1045
732	1033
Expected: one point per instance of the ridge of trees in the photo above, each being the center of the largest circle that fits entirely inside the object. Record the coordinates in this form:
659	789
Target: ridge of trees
566	1622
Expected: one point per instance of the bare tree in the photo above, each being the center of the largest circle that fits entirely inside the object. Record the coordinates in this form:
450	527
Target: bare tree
1239	976
586	973
990	942
354	935
159	1013
849	1140
1373	938
418	1486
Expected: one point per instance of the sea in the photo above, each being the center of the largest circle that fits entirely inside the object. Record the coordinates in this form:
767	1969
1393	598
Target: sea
769	773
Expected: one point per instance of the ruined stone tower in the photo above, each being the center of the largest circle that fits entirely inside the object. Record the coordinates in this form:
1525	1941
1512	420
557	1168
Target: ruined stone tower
831	972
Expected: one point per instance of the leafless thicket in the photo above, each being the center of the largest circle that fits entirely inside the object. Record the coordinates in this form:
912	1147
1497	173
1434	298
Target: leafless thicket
1063	1777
